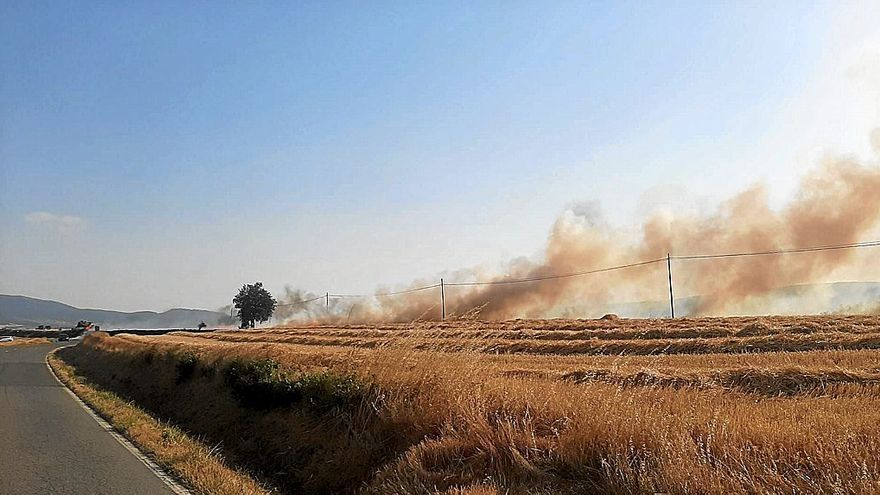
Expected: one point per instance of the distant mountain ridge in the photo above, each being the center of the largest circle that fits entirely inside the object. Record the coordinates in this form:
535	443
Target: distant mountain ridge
30	311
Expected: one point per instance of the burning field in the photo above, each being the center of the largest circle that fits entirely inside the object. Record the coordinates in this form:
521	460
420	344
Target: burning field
703	405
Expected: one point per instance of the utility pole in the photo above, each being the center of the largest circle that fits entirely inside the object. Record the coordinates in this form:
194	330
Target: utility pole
442	300
669	272
327	296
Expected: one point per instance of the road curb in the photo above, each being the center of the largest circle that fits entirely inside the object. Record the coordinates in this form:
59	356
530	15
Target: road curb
172	483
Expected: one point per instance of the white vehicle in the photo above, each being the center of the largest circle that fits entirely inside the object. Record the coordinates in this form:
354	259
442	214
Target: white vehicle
6	338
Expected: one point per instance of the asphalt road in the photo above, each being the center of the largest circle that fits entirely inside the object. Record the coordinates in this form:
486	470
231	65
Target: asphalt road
50	445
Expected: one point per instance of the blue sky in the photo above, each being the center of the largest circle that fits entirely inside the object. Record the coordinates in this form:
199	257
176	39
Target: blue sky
167	152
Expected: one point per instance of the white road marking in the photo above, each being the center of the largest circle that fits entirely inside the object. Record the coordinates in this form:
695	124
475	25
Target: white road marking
175	487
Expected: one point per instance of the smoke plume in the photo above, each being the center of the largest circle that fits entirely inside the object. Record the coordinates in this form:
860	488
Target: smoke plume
837	203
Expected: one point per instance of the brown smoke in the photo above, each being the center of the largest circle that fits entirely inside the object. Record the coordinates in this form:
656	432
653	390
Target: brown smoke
837	204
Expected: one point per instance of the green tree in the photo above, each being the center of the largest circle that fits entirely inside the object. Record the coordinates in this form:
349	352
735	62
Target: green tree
254	304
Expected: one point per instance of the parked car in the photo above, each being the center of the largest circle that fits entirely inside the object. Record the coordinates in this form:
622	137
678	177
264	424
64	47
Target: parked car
63	337
6	338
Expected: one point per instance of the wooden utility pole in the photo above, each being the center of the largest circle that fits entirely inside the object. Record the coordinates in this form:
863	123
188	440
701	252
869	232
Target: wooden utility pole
442	300
327	296
669	272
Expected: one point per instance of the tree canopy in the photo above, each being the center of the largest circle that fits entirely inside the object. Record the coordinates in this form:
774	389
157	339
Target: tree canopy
254	304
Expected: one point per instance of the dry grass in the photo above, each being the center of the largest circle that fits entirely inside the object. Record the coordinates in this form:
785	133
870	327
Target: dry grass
200	467
448	412
25	341
560	337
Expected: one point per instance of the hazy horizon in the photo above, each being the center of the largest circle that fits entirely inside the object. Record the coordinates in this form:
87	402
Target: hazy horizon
161	155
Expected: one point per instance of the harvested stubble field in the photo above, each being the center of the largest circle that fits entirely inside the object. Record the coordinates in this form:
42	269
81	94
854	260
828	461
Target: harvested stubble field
706	405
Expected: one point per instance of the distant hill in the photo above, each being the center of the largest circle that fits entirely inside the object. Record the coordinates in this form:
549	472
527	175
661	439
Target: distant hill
30	312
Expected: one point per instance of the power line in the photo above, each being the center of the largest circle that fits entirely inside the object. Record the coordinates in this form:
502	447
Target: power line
297	303
385	294
780	251
553	277
874	243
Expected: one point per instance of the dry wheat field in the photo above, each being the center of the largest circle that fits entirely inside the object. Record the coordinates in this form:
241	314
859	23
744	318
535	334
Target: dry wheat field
704	405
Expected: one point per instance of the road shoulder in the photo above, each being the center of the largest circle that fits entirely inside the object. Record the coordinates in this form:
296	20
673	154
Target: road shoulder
164	448
172	483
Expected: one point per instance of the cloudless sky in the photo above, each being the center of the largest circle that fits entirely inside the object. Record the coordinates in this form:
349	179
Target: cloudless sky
160	154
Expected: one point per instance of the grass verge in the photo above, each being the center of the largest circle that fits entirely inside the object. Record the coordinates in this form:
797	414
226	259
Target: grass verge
199	467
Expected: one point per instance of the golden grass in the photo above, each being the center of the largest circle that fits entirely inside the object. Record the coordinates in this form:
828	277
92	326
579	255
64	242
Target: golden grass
611	337
25	341
449	415
199	466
